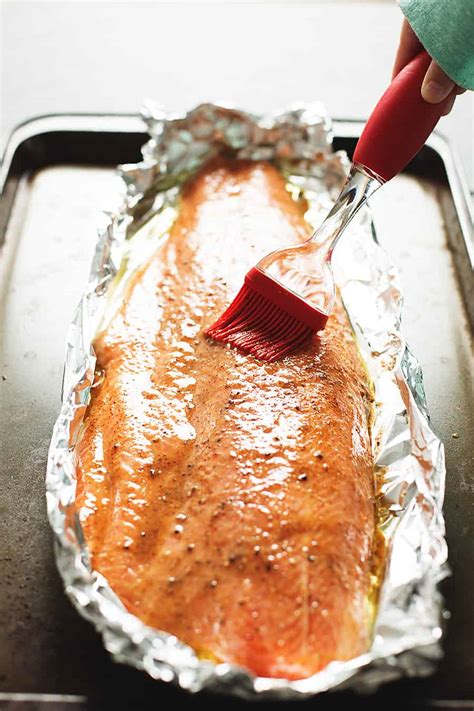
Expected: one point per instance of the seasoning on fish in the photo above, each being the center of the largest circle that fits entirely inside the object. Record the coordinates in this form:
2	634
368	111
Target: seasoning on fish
227	501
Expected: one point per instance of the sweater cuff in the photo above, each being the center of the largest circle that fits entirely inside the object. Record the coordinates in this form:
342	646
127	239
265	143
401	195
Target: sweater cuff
445	28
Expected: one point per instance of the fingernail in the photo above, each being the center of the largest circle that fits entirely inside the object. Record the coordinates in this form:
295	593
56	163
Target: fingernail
434	91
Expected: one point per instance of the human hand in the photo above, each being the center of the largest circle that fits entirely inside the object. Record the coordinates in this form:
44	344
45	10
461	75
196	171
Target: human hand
437	86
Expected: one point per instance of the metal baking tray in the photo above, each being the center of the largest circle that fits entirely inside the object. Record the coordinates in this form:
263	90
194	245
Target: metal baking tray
56	177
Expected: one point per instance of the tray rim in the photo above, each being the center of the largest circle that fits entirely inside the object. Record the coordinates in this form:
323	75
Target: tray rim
133	123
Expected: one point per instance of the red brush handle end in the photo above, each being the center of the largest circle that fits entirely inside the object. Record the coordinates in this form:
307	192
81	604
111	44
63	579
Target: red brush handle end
400	123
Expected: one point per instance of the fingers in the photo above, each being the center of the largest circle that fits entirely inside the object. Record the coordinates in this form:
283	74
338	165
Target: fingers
436	85
408	48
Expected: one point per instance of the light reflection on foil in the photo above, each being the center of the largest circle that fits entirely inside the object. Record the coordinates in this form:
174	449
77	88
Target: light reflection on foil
408	624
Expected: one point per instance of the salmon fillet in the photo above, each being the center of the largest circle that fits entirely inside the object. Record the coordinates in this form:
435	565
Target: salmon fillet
227	501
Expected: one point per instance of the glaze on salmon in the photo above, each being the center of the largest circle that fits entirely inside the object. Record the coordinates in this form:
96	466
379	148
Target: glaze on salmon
229	501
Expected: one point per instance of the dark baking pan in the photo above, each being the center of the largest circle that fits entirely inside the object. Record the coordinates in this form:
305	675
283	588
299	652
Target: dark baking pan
56	177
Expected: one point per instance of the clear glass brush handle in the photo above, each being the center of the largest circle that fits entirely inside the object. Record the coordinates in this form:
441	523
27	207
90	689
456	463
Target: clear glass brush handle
305	269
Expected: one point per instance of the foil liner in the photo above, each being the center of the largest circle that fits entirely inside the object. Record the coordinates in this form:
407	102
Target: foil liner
409	457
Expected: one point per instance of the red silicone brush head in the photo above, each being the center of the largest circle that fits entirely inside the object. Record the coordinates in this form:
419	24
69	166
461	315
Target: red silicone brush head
267	320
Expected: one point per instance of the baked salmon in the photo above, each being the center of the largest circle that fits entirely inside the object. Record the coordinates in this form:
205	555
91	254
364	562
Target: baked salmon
228	501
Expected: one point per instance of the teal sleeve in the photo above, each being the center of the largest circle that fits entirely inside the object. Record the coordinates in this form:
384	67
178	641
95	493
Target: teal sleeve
446	30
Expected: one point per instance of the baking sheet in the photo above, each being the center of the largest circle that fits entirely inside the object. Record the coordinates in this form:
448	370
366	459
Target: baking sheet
37	306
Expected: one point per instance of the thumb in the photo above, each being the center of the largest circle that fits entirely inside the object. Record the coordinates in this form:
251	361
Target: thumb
436	84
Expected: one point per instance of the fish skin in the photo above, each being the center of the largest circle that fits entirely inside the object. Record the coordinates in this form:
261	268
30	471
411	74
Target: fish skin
227	501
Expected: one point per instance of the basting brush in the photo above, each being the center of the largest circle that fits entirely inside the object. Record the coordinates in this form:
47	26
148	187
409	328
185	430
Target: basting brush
289	294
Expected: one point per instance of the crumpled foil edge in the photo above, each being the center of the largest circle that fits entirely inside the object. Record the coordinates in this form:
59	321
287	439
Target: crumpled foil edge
408	626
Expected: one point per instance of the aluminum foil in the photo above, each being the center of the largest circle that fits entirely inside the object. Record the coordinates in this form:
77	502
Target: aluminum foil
409	457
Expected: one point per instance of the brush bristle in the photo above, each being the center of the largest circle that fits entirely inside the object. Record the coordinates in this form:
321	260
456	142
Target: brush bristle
255	325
